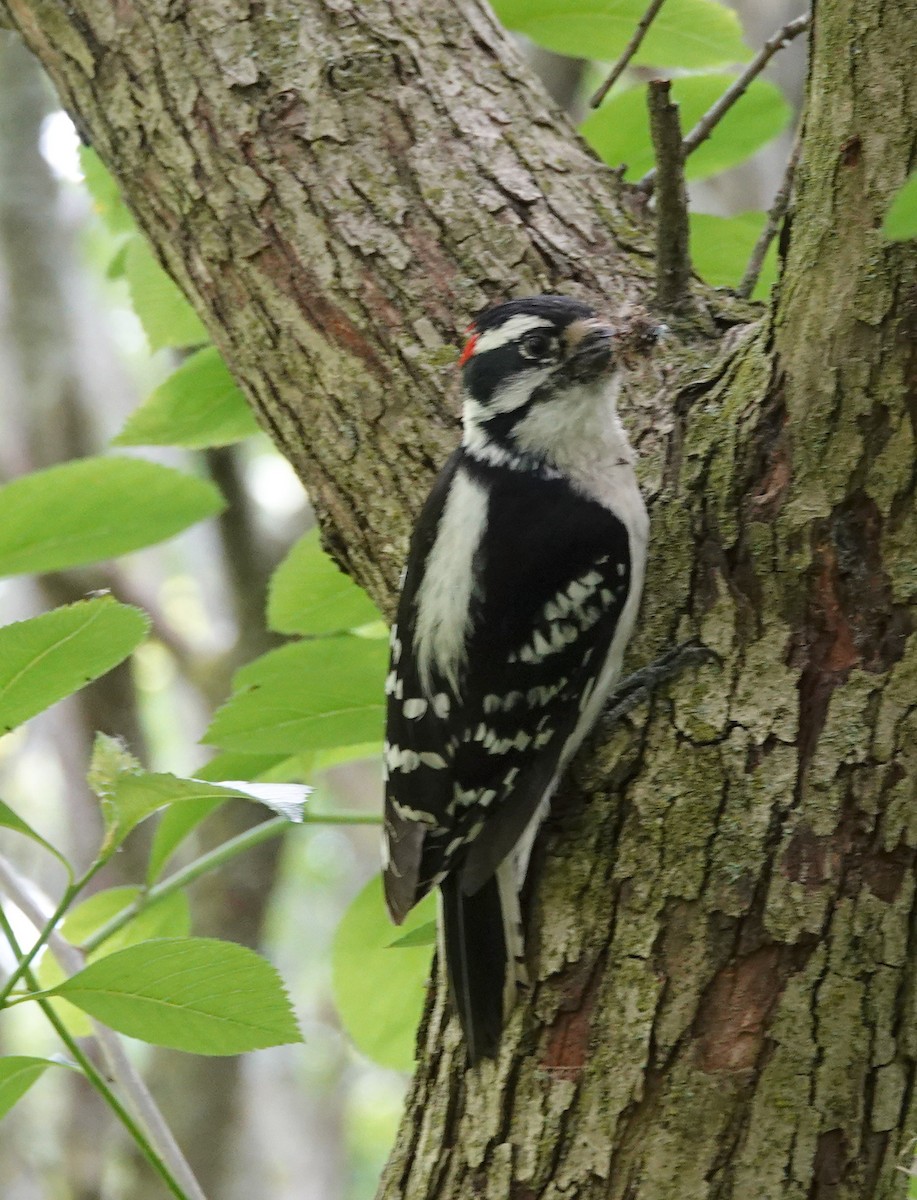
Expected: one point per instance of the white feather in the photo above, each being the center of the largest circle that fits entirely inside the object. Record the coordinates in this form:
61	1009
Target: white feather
445	593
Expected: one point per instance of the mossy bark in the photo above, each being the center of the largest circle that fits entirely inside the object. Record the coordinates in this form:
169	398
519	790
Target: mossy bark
723	999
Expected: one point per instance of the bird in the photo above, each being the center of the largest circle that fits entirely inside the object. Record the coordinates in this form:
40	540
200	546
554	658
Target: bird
520	592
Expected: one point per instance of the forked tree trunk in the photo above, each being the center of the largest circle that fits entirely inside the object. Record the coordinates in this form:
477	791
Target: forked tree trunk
724	959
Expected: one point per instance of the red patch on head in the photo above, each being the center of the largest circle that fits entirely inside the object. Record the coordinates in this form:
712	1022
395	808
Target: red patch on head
469	349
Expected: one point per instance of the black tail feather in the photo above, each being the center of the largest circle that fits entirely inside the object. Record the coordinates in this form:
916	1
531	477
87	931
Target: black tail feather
477	962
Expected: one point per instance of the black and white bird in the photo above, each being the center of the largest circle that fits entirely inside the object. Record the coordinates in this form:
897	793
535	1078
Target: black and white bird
520	593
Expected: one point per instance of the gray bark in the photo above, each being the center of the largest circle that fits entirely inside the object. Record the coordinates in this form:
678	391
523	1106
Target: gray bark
722	937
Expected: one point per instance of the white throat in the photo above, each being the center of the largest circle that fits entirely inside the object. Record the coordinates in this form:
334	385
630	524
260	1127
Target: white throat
580	435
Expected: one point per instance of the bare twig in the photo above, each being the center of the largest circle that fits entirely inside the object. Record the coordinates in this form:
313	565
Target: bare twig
673	262
716	112
37	908
627	53
775	215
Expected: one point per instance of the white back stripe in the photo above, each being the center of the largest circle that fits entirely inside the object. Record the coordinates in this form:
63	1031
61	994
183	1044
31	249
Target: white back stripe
445	593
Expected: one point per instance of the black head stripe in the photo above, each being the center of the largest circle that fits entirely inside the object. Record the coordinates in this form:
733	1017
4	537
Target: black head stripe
560	310
486	369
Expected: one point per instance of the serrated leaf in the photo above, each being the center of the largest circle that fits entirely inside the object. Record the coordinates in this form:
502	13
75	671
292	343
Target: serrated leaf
365	965
128	794
722	246
17	1074
12	820
198	406
46	658
619	130
195	994
310	595
166	316
900	223
685	33
306	696
94	509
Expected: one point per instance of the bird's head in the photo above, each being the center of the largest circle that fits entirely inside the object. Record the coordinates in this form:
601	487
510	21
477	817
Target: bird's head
532	365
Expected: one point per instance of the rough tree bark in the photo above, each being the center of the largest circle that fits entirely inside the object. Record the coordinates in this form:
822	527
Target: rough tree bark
724	996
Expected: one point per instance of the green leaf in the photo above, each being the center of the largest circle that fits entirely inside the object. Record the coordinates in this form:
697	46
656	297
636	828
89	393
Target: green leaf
337	756
310	595
195	994
250	765
17	1074
174	826
179	821
11	820
168	917
722	246
94	509
686	33
129	795
46	658
106	195
286	800
423	935
199	405
379	991
901	219
306	696
49	974
167	317
619	130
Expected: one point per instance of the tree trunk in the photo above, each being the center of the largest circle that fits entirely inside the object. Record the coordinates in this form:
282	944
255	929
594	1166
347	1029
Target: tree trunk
724	976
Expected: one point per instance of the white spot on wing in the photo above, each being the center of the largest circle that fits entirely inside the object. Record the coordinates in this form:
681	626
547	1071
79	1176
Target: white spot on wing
429	759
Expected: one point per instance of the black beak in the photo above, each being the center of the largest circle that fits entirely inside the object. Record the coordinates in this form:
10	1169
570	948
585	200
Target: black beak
592	354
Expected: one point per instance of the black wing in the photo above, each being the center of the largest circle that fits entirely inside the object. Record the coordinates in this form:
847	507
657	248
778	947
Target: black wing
552	573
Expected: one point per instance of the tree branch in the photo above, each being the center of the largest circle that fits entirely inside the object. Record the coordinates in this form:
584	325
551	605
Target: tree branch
627	53
37	908
673	262
717	111
775	215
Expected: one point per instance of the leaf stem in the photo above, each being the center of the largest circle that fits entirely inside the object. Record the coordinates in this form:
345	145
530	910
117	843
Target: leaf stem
627	53
210	862
94	1077
72	890
158	1137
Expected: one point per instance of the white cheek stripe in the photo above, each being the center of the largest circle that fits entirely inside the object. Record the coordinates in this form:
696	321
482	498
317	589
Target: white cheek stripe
509	331
517	391
445	593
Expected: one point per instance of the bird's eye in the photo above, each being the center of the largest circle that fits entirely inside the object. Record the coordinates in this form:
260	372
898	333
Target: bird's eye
535	345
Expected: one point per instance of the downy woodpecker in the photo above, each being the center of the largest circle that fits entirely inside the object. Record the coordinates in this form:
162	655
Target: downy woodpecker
520	593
